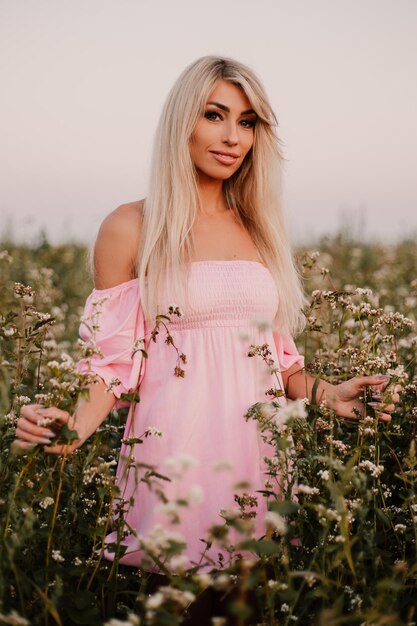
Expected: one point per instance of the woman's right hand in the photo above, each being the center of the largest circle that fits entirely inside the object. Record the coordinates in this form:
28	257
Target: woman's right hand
38	425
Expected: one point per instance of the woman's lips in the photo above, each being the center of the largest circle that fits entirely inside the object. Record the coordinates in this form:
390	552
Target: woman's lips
225	158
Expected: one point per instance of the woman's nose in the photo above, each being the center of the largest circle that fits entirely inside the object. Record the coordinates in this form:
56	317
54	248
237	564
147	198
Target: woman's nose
230	136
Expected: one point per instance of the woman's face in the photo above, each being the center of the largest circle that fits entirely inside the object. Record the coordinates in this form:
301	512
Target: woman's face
224	134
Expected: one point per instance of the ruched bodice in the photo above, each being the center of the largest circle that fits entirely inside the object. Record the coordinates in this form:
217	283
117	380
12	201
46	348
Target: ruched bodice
231	306
227	293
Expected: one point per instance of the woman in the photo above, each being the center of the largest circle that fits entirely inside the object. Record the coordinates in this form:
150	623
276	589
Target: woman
210	237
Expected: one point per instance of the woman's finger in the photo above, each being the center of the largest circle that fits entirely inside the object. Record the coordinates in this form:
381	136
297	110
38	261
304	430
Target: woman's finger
384	417
23	445
39	437
379	381
52	414
38	425
26	425
380	406
30	412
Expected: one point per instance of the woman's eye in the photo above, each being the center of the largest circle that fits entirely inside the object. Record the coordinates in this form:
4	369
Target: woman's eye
212	115
248	123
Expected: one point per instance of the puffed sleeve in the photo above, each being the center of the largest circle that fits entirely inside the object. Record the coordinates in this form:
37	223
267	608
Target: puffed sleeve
113	326
287	351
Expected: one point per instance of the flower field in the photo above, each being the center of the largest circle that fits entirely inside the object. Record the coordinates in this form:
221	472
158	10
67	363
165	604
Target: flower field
340	535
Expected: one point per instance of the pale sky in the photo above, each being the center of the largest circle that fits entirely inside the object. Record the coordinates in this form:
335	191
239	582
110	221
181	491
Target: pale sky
83	82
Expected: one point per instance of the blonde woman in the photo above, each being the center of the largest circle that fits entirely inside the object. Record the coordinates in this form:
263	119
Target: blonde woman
209	238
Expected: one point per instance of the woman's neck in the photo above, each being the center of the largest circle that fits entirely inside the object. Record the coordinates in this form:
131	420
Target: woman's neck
212	200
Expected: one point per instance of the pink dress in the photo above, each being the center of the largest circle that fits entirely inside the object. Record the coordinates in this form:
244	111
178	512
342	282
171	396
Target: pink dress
207	448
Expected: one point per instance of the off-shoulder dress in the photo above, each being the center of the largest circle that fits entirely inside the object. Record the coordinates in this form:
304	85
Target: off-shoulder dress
207	448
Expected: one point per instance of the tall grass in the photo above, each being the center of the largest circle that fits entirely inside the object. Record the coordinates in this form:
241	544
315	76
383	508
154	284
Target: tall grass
340	535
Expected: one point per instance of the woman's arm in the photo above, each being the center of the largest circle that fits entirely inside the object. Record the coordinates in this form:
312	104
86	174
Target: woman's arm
343	398
115	254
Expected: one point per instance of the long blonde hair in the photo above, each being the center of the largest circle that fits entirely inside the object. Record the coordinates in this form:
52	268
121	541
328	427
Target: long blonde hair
253	192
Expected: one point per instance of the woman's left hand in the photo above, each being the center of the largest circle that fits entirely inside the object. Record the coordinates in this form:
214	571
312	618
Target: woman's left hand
347	403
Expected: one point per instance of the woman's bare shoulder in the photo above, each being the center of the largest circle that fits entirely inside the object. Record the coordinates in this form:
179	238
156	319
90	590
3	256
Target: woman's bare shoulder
117	246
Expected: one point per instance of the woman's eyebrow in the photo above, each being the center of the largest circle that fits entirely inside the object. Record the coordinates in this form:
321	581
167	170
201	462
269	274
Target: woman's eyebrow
223	107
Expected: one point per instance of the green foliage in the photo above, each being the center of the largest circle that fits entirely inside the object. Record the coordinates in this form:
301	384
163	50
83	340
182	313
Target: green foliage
340	535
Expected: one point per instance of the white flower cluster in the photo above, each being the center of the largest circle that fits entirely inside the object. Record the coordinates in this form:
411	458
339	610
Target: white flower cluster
14	619
5	256
132	620
113	383
294	409
9	332
179	464
45	502
160	539
400	528
328	514
57	556
374	470
338	444
307	490
274	521
153	432
99	472
65	365
169	594
173	508
23	400
324	474
360	291
10	419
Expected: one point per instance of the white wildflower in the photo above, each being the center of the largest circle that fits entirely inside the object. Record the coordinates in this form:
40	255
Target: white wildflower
160	539
374	470
47	501
203	580
363	292
222	582
113	383
178	563
266	410
170	509
46	421
23	400
5	256
9	332
175	310
195	495
293	409
10	418
57	556
13	619
400	528
154	432
307	490
230	514
324	474
100	301
181	598
132	620
180	464
276	522
155	601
